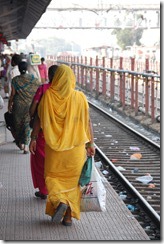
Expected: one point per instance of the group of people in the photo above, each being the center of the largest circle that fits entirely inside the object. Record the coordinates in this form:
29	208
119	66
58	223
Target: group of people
9	69
60	140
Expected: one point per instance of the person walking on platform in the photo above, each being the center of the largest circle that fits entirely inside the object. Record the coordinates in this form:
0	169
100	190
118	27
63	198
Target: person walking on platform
43	71
7	78
37	160
33	68
23	88
11	71
15	60
63	115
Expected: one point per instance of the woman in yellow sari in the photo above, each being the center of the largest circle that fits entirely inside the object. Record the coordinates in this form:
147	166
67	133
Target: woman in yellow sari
63	115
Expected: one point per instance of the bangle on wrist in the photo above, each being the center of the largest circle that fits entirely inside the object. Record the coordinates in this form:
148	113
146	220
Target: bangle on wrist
89	145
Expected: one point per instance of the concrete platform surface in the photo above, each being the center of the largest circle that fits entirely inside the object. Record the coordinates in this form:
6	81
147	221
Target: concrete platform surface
22	216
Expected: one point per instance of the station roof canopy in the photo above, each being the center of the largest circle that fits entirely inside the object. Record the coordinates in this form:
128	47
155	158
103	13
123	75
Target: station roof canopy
18	17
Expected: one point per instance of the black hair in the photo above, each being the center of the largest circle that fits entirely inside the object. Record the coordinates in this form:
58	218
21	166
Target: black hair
43	59
22	67
16	59
51	71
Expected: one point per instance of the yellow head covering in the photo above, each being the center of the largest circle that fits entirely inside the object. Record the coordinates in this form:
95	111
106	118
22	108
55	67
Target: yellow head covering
63	112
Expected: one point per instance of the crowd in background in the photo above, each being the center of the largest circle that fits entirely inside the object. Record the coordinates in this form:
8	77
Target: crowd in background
8	70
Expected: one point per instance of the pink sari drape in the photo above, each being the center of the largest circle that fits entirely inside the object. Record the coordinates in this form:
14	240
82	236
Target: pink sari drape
37	165
37	160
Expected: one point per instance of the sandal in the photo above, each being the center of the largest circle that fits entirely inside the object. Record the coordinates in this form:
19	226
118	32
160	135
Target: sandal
21	146
25	149
58	215
67	221
42	196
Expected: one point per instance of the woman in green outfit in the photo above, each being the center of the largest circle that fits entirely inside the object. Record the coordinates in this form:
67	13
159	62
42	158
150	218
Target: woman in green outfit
23	88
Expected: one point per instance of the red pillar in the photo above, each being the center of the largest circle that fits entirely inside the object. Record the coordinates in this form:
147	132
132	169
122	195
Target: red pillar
136	95
85	73
146	64
121	62
152	100
97	78
82	72
112	81
147	96
132	83
78	72
104	79
91	76
123	90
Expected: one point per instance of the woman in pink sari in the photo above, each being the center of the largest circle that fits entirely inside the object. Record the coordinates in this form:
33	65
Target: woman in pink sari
37	160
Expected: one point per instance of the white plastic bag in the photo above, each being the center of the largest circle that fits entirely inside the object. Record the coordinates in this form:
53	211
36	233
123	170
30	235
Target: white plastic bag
94	194
145	179
1	102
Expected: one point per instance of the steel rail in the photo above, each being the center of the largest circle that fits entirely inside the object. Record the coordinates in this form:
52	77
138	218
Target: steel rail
145	205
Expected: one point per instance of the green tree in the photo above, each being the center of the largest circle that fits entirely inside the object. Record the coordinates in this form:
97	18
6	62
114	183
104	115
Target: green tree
128	37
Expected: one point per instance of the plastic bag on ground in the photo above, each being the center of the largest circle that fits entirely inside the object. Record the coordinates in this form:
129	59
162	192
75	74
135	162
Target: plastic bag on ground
120	168
136	156
145	179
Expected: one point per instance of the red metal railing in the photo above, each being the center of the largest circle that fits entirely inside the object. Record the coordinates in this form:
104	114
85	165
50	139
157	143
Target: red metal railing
139	90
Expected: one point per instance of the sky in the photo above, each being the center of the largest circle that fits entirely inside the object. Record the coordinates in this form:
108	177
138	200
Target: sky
91	37
100	2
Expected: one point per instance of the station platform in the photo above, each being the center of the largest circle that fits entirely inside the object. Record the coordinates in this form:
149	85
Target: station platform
23	218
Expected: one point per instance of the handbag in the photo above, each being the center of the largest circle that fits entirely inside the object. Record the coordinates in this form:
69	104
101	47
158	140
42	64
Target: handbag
93	195
9	120
86	172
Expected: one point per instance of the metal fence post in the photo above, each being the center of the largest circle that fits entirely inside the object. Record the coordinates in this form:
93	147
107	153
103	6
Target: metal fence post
132	83
112	81
97	78
136	95
146	64
147	96
123	91
91	76
104	79
85	74
152	100
82	73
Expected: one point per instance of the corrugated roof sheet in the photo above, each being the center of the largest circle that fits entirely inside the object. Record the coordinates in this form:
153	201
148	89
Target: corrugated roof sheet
18	17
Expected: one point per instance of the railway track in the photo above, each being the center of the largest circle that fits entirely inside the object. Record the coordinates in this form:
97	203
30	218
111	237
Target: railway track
126	155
